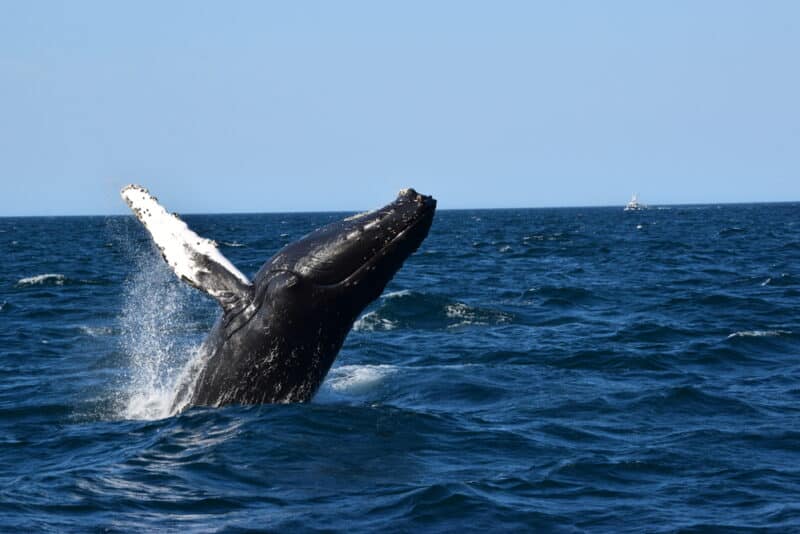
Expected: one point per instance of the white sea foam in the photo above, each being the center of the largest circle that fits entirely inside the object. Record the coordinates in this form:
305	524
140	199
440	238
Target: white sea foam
158	399
466	315
49	278
397	294
358	379
96	331
459	310
469	316
149	405
371	321
234	244
760	333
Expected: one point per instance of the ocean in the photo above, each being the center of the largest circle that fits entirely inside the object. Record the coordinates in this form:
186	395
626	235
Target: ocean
564	370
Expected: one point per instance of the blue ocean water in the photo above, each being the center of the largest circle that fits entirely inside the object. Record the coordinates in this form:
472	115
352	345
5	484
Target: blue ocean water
550	369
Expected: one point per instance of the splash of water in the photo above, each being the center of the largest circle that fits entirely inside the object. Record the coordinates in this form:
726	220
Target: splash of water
162	354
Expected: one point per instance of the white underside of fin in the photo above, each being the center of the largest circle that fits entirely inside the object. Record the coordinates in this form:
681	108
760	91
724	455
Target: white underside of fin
179	245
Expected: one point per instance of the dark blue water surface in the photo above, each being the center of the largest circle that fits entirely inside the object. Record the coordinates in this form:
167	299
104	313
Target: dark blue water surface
551	369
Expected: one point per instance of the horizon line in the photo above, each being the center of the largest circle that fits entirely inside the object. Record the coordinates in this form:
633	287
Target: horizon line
305	212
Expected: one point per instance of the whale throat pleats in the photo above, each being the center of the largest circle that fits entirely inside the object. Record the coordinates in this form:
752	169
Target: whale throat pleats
195	259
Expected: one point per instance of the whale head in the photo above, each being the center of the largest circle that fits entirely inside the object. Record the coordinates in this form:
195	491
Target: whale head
352	260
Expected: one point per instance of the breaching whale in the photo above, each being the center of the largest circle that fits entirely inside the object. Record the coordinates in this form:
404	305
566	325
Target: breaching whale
279	334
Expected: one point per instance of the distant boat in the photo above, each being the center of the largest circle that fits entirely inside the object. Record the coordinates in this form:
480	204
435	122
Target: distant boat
634	205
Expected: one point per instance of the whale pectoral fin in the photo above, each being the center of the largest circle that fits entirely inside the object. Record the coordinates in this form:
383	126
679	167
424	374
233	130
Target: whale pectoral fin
195	260
216	280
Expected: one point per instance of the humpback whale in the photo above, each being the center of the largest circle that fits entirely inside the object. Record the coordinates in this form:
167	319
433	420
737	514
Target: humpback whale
278	335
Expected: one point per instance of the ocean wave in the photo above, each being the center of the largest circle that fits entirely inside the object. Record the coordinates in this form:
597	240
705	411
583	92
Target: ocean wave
467	315
233	244
415	310
559	296
760	333
371	321
652	332
534	237
731	231
56	279
718	301
397	294
440	500
358	379
608	360
692	401
713	354
783	280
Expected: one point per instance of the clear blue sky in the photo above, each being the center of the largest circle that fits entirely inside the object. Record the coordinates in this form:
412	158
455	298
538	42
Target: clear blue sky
285	106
